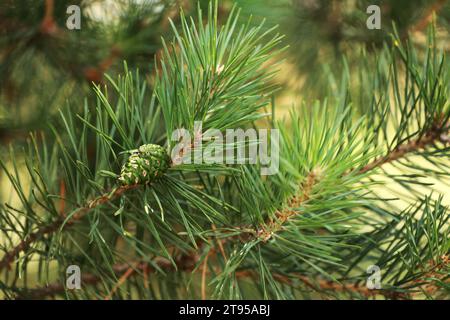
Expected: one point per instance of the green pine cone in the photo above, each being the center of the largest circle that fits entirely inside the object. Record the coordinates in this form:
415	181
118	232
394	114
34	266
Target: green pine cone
145	165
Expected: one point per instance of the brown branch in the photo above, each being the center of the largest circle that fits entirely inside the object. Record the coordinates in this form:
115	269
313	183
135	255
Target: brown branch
434	135
317	285
274	224
48	25
266	232
9	257
95	74
130	271
437	133
434	272
204	271
426	19
188	261
185	263
53	227
327	285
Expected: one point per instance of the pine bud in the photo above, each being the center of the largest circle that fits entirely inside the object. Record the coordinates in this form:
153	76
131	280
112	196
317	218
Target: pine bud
145	165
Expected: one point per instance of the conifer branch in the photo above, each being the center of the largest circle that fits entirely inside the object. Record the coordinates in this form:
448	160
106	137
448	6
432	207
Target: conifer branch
437	133
282	216
290	234
434	273
186	263
95	74
48	25
62	221
9	257
322	285
434	8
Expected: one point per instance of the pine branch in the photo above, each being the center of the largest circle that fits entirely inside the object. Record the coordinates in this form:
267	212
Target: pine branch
63	221
435	7
48	25
437	133
244	59
95	74
425	282
434	273
302	221
282	216
321	285
185	263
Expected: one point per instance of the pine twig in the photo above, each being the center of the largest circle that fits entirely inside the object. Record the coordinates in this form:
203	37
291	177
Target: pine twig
204	271
185	263
53	227
95	74
317	285
436	267
282	216
435	134
425	20
48	25
130	271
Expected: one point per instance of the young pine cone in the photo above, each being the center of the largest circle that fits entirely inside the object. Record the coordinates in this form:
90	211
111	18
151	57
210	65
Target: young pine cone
145	165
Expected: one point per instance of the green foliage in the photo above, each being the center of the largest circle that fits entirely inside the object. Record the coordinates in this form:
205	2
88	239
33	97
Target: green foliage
308	231
213	74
